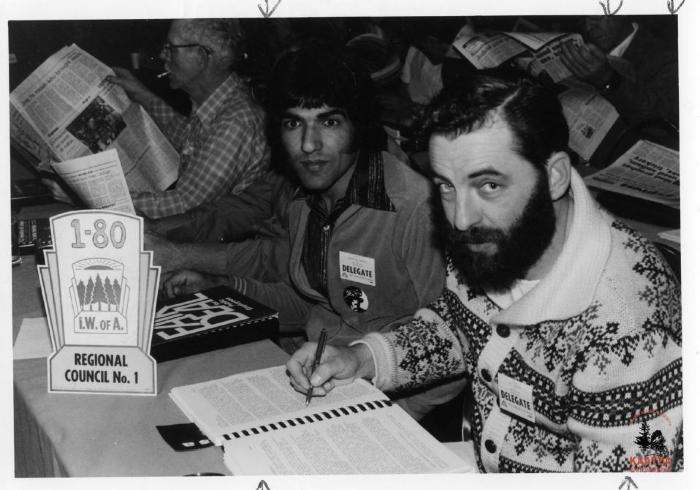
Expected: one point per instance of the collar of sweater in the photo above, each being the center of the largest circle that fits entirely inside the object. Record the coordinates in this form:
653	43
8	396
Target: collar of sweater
570	286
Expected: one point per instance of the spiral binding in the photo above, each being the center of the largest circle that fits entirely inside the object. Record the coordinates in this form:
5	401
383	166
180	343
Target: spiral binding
310	419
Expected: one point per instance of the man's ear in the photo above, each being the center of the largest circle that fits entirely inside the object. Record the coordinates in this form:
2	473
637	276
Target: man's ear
558	174
203	58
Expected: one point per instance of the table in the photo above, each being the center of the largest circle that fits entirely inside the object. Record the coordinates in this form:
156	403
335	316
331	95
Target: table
109	435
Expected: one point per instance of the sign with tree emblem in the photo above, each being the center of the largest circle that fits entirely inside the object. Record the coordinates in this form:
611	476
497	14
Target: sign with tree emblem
99	288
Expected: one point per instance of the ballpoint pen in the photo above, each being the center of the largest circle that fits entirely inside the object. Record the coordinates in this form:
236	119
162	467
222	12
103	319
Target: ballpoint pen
317	360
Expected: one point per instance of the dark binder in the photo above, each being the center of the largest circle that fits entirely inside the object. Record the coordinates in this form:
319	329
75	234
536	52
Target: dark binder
212	319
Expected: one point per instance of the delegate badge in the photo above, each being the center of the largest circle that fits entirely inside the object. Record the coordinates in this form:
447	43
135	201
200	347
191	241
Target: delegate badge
357	268
99	288
515	397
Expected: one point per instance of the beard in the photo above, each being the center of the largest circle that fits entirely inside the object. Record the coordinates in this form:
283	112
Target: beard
517	249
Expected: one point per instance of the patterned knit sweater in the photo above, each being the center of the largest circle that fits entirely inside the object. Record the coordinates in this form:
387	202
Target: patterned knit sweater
598	340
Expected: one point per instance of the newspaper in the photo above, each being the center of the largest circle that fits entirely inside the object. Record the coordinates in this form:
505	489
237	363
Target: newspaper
486	50
489	50
548	58
647	171
99	181
66	109
589	117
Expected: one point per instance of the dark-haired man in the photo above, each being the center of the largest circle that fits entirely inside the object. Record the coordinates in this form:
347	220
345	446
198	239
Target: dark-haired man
566	321
362	255
222	143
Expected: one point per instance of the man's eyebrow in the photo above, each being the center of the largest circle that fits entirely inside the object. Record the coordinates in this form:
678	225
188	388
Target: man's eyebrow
320	115
331	113
486	171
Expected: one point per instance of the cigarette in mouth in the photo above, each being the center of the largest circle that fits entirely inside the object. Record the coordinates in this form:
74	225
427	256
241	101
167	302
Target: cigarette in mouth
161	75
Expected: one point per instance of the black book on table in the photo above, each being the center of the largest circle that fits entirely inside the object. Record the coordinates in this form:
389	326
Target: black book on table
212	319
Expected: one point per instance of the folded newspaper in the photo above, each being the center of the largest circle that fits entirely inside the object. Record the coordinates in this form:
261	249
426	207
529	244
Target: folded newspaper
589	117
490	49
98	180
647	171
66	109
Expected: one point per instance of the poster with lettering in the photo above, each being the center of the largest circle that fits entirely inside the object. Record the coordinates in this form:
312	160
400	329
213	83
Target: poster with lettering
99	287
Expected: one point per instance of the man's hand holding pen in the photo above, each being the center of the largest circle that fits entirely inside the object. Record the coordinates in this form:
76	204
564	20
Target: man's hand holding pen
338	365
317	360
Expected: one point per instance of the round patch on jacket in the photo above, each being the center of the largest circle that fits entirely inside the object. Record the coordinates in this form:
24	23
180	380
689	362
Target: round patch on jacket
356	299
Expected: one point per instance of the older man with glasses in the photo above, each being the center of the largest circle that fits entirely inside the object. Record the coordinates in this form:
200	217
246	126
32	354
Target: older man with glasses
222	142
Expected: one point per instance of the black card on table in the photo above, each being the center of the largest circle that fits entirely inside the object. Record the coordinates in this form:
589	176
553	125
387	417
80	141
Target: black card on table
183	437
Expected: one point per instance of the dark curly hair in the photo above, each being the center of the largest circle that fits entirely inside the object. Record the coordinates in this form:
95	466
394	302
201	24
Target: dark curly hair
532	112
315	73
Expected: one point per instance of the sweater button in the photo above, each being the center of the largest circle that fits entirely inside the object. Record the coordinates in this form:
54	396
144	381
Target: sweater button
490	446
486	375
503	331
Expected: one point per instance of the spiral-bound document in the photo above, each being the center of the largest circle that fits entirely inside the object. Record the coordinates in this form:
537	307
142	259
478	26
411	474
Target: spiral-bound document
266	428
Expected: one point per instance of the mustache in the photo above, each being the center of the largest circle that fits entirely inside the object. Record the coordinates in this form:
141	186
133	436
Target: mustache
475	235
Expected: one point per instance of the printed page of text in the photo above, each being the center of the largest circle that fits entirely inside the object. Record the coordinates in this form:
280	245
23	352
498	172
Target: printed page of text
98	180
384	441
256	398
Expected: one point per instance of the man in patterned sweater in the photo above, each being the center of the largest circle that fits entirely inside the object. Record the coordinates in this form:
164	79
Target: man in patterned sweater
566	322
222	142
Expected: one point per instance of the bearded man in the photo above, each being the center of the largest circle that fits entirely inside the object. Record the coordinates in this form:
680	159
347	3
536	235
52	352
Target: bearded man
566	321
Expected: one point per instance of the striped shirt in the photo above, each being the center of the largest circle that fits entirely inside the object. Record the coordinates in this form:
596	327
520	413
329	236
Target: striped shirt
222	149
366	188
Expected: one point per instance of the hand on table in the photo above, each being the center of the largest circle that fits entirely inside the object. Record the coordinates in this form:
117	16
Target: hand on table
185	282
338	366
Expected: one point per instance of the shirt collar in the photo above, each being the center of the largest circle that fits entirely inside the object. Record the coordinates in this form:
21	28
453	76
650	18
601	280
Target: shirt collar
366	187
211	106
506	298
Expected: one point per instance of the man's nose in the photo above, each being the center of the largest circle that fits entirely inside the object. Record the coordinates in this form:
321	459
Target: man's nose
310	141
466	214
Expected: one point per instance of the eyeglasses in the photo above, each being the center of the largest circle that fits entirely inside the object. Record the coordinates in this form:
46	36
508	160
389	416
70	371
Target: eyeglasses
168	48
